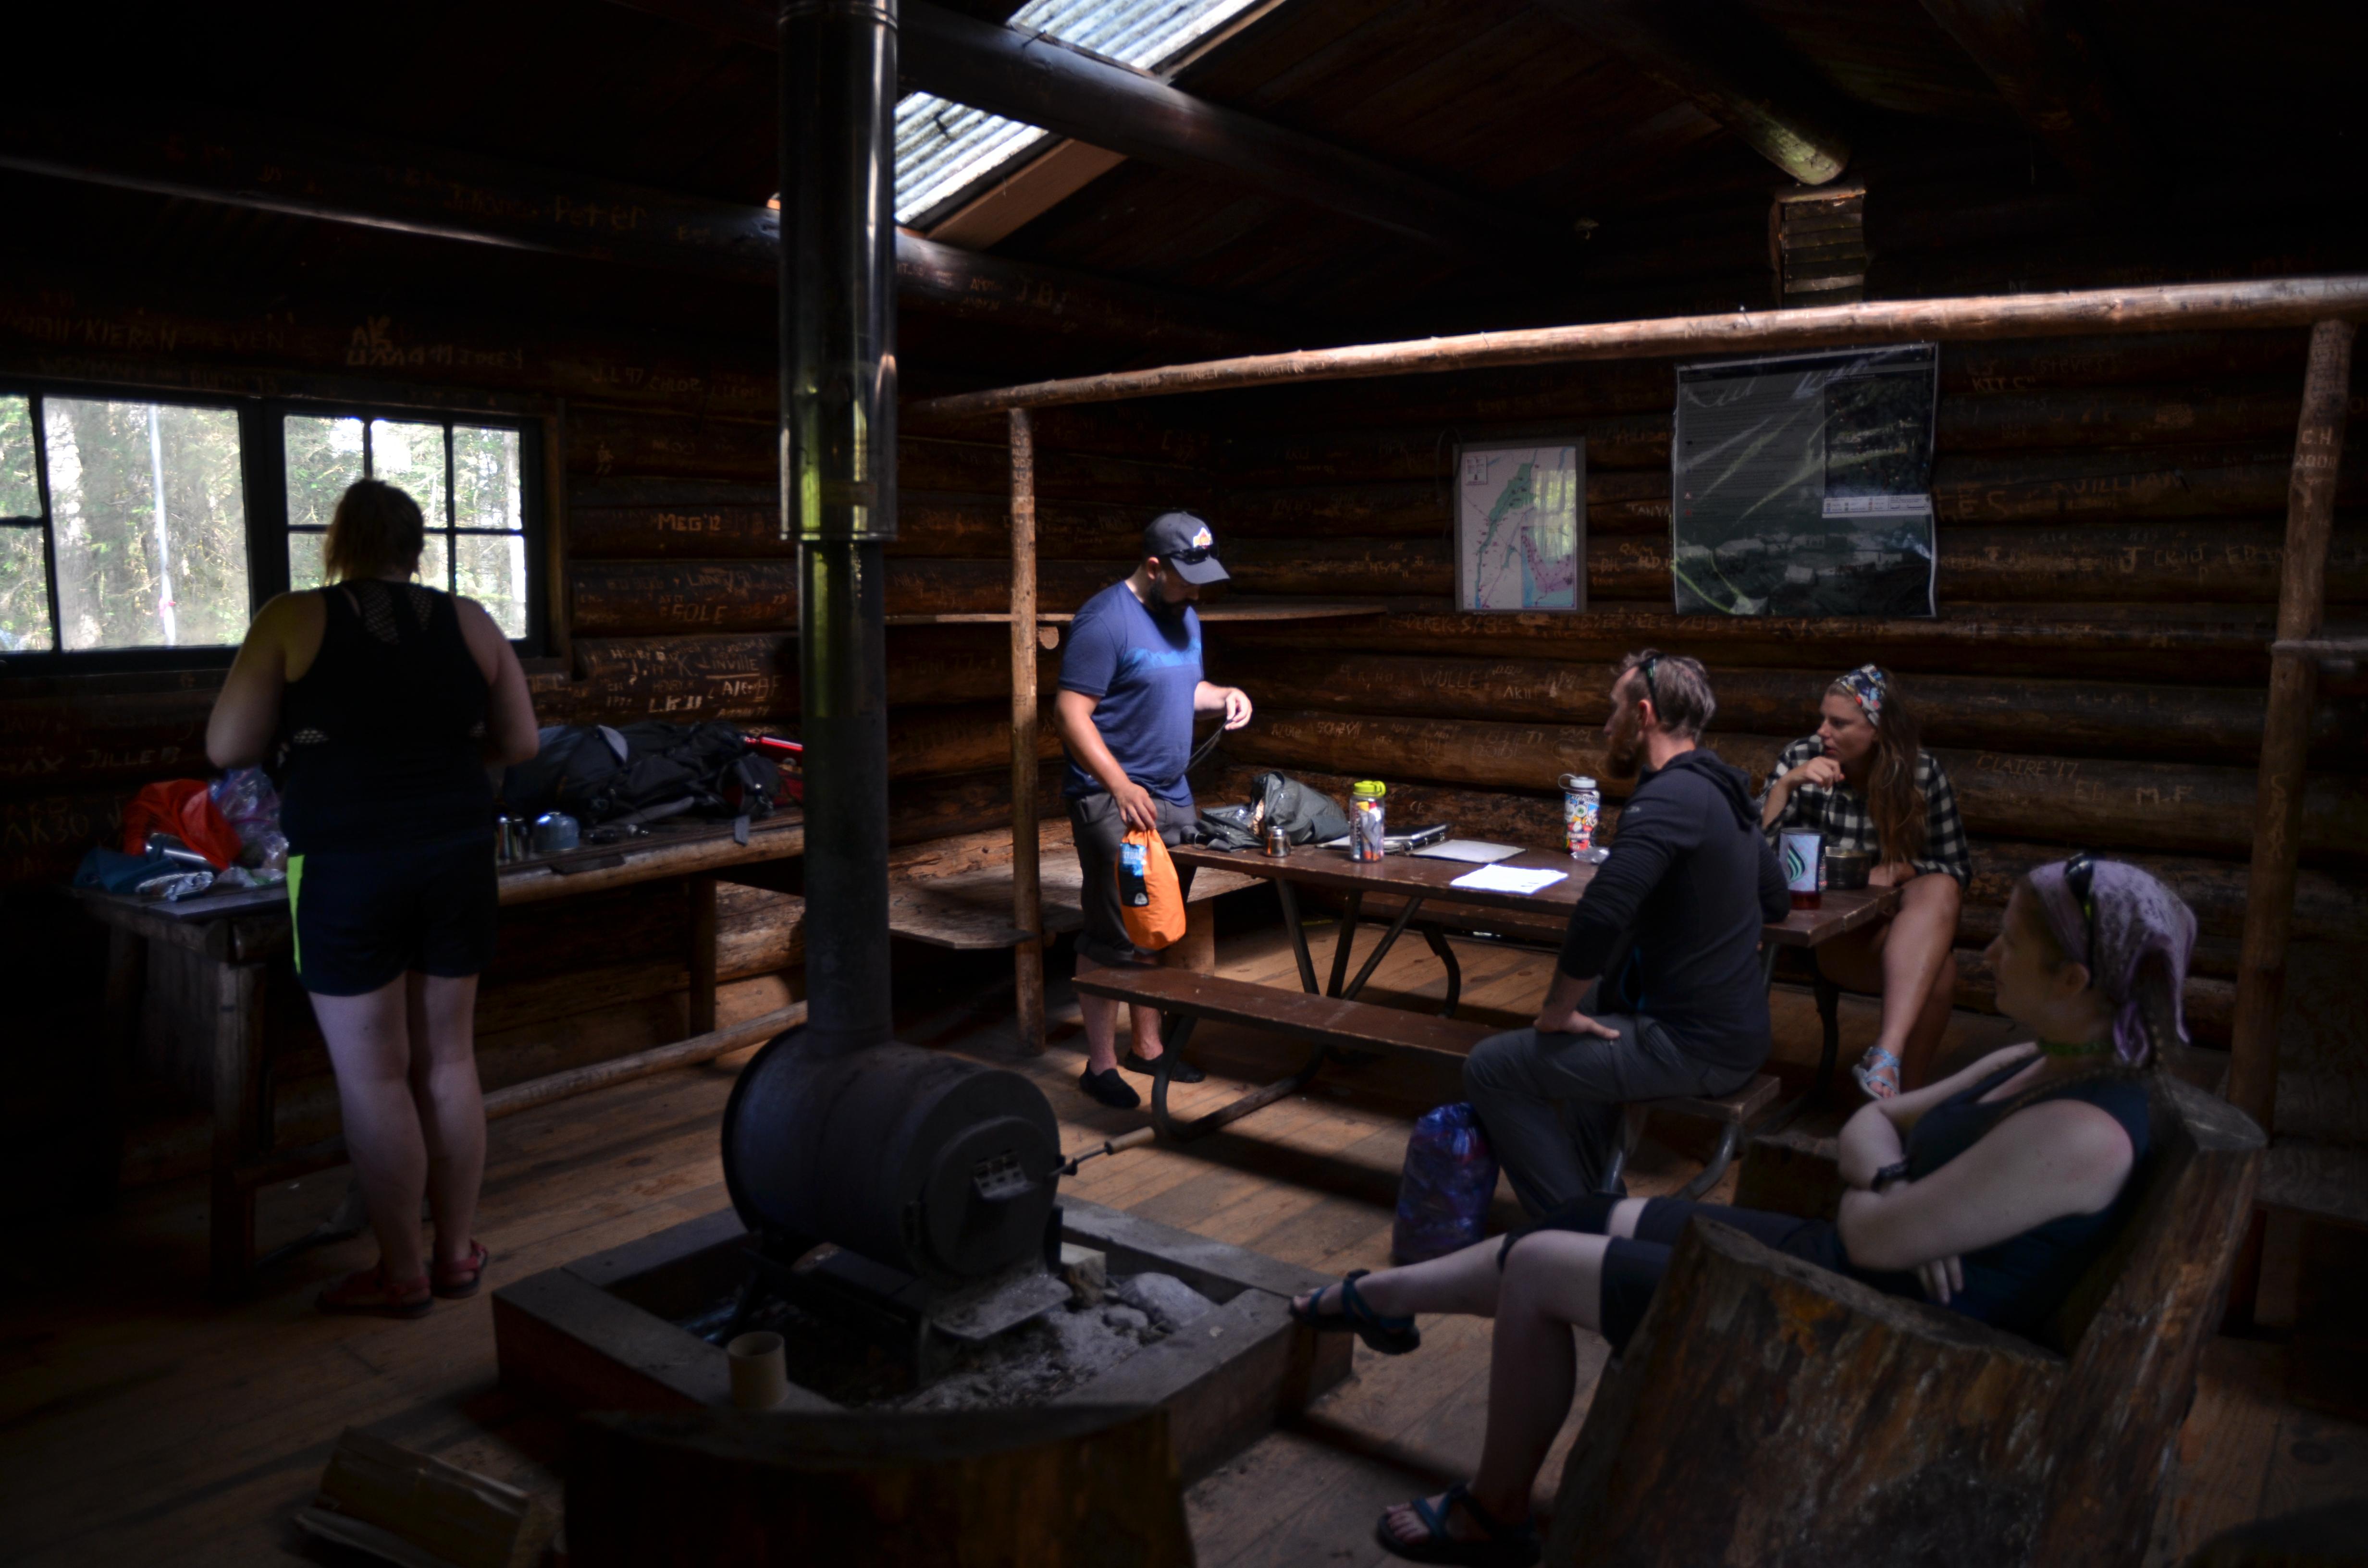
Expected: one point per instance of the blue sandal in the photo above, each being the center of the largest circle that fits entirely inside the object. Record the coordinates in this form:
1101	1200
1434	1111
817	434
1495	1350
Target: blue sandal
1874	1089
1507	1546
1389	1335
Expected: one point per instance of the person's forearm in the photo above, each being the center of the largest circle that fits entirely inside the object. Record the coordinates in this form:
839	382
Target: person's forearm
1869	1142
1563	991
1208	698
1778	792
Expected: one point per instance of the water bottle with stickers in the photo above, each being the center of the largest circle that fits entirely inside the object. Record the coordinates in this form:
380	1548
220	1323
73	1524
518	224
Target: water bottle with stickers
1366	832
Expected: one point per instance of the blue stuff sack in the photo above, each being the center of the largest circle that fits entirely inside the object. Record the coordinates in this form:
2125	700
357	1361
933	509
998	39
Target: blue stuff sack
1450	1180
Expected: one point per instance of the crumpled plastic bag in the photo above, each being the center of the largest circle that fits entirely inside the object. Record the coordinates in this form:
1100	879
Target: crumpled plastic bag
183	808
1449	1182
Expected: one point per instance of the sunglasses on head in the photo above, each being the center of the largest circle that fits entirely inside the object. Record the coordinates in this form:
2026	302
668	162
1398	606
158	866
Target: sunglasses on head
1651	692
2080	877
1190	557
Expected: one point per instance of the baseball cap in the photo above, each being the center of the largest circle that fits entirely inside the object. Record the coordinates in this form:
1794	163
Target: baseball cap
1184	542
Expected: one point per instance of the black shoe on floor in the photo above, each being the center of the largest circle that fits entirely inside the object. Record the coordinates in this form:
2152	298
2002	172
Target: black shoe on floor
1182	1073
1110	1088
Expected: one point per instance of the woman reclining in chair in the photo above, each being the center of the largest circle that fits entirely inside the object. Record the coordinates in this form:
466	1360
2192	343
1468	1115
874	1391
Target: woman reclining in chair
1985	1192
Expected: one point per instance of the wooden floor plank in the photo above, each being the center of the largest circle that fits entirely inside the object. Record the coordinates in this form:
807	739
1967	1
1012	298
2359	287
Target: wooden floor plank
141	1424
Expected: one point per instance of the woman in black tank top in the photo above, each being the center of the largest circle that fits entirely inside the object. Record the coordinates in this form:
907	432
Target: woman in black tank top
1988	1193
388	701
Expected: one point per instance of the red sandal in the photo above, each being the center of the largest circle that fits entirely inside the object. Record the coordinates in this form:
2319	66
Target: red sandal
459	1281
369	1292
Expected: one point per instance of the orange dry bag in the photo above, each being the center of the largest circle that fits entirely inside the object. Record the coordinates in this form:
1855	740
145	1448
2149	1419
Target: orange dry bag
1148	894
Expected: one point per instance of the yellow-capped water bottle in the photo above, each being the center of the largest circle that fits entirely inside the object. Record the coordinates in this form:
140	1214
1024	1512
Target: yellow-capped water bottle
1366	833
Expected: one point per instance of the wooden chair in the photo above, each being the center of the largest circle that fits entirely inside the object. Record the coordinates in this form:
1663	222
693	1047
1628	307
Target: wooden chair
1767	1411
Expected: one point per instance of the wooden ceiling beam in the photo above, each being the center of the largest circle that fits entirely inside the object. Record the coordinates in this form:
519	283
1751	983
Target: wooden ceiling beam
1773	103
479	200
1038	80
2037	54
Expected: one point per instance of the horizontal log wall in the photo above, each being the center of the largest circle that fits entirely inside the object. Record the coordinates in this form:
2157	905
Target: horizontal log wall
2111	524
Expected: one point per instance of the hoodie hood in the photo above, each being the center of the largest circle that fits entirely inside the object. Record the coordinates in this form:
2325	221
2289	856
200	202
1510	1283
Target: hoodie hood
1722	775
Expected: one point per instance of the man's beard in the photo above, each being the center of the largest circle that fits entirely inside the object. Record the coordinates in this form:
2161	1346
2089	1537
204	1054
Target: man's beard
1167	610
1623	744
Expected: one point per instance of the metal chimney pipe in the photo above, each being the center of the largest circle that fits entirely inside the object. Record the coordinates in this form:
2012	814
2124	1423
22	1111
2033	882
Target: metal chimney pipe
838	481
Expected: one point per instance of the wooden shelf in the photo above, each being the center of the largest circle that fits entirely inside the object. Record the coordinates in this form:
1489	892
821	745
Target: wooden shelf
1246	609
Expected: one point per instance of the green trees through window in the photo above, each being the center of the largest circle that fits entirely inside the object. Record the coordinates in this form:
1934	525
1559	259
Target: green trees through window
123	524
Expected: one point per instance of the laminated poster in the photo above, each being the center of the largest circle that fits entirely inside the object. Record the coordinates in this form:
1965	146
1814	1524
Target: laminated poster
1521	524
1803	484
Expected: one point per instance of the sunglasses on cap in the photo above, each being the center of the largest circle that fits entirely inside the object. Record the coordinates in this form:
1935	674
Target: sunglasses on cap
1190	557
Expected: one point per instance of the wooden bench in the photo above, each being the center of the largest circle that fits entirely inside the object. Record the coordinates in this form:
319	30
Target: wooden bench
956	892
1331	1023
1336	1024
1734	1113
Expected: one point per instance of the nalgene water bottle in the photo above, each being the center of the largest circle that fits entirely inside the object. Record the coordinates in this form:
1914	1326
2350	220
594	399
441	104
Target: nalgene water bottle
1366	833
1582	808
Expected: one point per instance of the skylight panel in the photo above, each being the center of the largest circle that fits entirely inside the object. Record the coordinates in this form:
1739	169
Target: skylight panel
945	151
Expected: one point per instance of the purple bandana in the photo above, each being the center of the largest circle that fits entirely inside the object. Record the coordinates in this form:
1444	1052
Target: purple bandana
2145	933
1866	684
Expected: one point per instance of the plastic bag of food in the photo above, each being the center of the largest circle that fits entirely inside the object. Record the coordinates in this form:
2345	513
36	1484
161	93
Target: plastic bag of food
182	809
1450	1180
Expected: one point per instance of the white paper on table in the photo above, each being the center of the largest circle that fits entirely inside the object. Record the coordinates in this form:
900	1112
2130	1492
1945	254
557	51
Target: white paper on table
1508	879
1479	851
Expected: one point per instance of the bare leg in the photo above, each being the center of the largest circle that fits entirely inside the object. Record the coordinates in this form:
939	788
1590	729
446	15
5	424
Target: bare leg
1553	1283
451	1106
1101	1014
1465	1281
1908	962
369	1046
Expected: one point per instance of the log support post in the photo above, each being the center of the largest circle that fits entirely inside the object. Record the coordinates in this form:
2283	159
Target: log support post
2285	735
1026	895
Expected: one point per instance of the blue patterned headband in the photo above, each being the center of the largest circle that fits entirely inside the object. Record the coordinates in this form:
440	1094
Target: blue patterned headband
1866	684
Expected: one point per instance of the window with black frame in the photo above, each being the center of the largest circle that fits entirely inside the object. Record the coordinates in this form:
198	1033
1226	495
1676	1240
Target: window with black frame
470	481
136	525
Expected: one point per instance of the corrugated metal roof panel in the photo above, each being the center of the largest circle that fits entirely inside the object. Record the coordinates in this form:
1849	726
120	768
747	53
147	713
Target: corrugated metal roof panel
944	150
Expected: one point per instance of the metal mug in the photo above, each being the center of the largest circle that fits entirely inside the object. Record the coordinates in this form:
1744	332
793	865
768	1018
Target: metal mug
1846	870
555	832
1278	844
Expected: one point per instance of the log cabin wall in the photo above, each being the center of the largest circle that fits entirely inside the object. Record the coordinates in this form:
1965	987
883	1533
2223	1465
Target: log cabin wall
673	597
2110	517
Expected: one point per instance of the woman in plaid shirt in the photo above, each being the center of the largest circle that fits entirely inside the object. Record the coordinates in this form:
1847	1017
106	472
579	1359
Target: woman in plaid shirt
1863	781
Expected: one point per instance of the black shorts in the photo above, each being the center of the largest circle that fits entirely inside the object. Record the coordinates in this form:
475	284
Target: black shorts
1098	831
1633	1267
366	916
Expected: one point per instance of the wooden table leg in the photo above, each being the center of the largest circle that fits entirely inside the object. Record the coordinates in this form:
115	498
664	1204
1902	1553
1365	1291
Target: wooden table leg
1389	937
1283	891
127	996
1348	939
702	955
237	1041
1028	987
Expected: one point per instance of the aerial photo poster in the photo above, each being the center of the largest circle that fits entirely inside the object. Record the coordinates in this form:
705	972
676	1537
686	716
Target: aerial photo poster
1521	526
1804	484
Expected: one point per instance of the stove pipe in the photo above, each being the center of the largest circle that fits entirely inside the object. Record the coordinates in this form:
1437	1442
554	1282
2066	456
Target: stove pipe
941	1168
838	481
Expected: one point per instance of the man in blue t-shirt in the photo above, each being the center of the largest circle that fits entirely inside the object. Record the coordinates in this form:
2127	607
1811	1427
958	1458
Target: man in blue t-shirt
1130	684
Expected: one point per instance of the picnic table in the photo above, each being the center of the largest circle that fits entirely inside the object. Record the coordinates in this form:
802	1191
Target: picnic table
230	937
1417	891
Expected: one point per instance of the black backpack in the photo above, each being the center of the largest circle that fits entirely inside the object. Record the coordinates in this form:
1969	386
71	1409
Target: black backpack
639	773
1305	815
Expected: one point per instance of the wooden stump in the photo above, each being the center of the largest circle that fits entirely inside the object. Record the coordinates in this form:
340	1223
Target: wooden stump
1050	1487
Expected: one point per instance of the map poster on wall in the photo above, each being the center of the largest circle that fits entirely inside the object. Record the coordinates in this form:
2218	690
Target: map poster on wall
1521	524
1804	484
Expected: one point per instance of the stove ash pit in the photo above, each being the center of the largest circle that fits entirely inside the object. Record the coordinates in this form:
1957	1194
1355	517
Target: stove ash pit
895	1218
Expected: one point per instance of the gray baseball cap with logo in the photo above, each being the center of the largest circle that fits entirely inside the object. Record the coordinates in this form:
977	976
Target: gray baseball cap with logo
1184	543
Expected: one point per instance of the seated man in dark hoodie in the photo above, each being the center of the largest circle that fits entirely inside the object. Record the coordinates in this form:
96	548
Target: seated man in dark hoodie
1667	932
